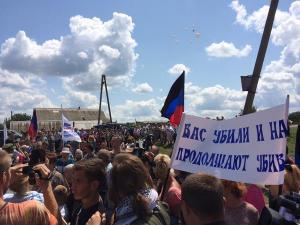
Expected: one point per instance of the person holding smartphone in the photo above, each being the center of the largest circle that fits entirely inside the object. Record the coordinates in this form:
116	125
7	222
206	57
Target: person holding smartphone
15	213
21	187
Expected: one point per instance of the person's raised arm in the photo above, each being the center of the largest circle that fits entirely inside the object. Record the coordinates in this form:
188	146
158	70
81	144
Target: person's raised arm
43	180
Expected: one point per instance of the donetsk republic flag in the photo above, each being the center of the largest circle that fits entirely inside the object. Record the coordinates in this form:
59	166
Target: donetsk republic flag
174	104
32	130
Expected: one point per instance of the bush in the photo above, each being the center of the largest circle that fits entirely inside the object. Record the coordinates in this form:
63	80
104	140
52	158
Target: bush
295	117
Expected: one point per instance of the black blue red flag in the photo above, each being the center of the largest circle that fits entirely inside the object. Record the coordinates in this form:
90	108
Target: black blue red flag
32	130
174	103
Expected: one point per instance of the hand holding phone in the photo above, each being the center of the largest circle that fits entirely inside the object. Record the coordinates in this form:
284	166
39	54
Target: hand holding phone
29	171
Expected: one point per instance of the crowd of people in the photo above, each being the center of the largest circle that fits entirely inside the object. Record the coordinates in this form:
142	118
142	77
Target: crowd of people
117	175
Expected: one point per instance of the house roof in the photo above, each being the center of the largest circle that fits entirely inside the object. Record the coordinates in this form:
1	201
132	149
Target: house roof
72	114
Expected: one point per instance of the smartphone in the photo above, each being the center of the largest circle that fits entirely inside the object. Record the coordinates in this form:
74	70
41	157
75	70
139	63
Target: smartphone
28	170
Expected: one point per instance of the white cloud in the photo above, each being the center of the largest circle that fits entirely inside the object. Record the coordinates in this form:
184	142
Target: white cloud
281	76
93	48
13	80
109	52
286	24
206	102
257	19
147	110
73	98
79	98
178	69
21	93
82	55
216	100
143	88
225	50
288	29
24	100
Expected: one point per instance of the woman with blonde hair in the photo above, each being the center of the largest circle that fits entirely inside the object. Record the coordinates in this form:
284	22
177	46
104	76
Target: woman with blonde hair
170	189
291	184
291	178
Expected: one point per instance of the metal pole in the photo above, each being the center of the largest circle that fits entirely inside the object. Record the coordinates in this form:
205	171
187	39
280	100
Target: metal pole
260	57
99	113
107	99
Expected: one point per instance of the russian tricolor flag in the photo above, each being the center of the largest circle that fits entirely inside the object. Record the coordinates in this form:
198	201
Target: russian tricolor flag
174	104
32	130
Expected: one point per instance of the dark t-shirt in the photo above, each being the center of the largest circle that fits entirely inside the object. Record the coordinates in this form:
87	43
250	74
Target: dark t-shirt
81	215
72	205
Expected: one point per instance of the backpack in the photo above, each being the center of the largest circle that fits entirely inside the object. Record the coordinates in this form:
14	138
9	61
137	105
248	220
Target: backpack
160	216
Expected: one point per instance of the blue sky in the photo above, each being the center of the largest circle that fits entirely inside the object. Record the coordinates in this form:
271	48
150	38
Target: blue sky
217	41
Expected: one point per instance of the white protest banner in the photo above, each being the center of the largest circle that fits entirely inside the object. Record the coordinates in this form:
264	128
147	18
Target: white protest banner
248	149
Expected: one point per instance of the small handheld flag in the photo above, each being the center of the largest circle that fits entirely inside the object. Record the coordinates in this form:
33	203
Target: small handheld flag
68	131
32	130
174	103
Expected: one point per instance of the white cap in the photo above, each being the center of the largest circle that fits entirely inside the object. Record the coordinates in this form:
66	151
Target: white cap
65	150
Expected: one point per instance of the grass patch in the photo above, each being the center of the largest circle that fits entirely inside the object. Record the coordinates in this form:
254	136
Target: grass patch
292	141
164	149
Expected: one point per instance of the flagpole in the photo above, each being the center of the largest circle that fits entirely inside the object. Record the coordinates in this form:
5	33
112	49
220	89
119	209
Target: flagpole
171	93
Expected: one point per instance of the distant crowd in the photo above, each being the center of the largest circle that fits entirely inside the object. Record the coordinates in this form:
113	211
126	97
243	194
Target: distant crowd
120	175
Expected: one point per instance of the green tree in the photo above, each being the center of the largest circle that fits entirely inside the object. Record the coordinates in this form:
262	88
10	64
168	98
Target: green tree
295	117
18	117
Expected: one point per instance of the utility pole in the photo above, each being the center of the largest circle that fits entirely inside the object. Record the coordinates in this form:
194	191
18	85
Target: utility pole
103	82
260	57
